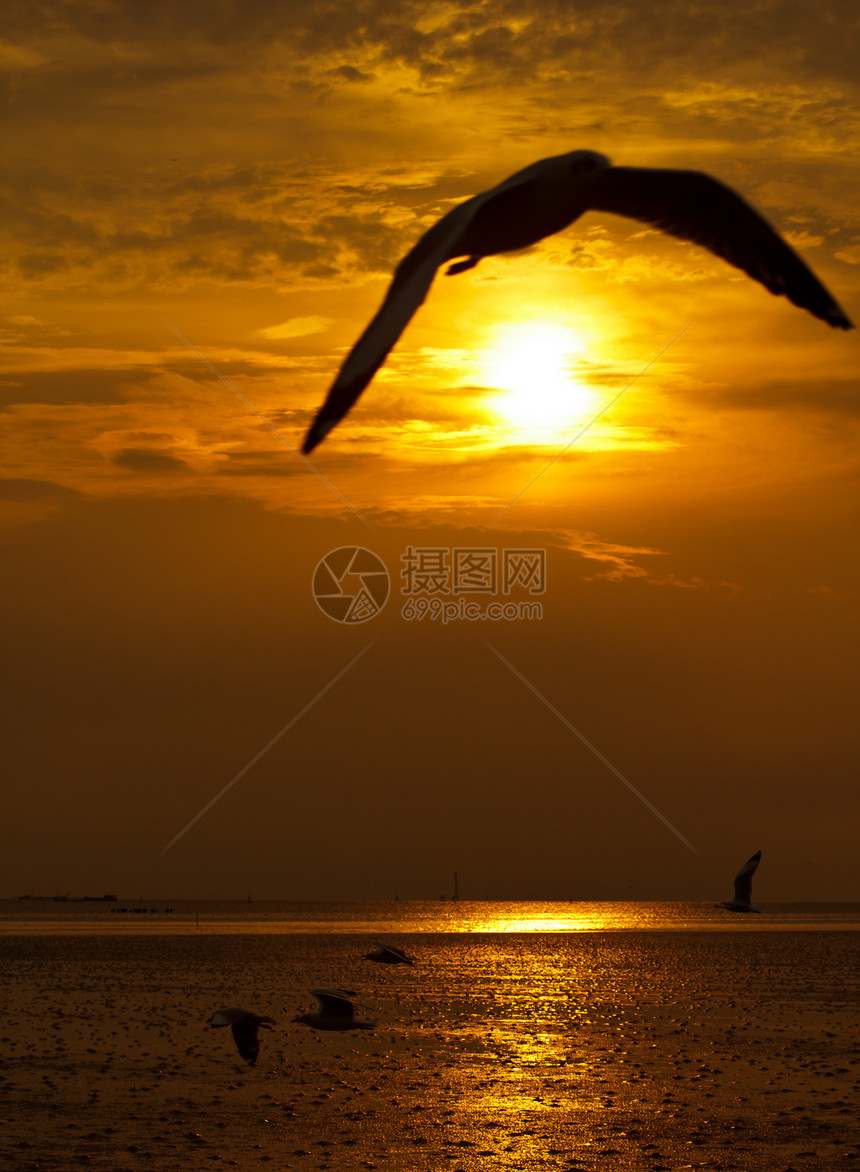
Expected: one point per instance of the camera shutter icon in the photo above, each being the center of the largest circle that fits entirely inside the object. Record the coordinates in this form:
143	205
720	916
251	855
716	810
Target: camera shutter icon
351	584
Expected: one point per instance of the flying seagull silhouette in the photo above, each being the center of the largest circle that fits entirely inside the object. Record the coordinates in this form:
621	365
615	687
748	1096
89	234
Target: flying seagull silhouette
388	954
548	196
336	1012
743	887
246	1029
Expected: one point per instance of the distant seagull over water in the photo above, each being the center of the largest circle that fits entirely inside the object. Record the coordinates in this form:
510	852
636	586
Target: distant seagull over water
336	1012
246	1029
387	954
545	198
743	887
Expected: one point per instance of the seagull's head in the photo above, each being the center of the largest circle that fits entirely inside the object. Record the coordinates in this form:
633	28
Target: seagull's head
585	164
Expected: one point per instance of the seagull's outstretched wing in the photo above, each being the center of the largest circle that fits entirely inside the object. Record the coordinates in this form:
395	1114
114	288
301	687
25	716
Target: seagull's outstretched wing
336	1012
743	879
407	291
223	1017
695	207
388	953
245	1027
246	1035
334	1002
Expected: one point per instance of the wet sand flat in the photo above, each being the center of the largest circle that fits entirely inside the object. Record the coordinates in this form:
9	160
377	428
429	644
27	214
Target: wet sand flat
619	1051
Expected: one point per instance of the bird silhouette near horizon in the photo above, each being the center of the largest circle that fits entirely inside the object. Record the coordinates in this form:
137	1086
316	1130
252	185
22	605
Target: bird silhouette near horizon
336	1012
388	954
246	1029
543	199
743	887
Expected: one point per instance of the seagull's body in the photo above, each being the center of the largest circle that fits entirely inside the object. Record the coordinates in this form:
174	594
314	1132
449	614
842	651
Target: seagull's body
743	887
246	1029
545	198
336	1012
388	954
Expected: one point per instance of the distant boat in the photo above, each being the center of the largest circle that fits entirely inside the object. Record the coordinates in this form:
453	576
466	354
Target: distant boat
83	898
456	894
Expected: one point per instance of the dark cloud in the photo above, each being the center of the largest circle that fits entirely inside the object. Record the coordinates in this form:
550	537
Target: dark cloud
73	386
147	460
835	395
350	73
204	241
269	154
236	234
515	39
376	246
270	464
478	42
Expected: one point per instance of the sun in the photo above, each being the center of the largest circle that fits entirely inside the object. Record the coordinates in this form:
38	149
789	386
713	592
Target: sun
531	364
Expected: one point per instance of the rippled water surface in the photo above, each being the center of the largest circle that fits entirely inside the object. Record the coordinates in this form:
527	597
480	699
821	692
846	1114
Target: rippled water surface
599	1051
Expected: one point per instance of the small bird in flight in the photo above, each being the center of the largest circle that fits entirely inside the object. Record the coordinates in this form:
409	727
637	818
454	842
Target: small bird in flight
743	887
545	198
388	954
246	1029
336	1012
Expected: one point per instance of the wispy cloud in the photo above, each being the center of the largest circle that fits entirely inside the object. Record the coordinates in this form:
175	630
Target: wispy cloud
296	327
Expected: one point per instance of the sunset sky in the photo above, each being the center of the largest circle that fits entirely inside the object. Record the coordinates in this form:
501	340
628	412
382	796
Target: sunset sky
245	177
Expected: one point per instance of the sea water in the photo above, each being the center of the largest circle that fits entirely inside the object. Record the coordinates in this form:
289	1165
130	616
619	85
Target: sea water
241	917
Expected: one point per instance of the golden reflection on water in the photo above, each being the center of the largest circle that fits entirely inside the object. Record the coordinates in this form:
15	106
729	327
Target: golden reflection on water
420	917
568	923
526	1088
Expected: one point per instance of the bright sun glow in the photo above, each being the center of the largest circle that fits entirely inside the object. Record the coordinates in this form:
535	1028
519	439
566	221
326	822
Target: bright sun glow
531	363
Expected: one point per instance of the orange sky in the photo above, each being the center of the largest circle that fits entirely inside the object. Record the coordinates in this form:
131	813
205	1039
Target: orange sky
250	178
